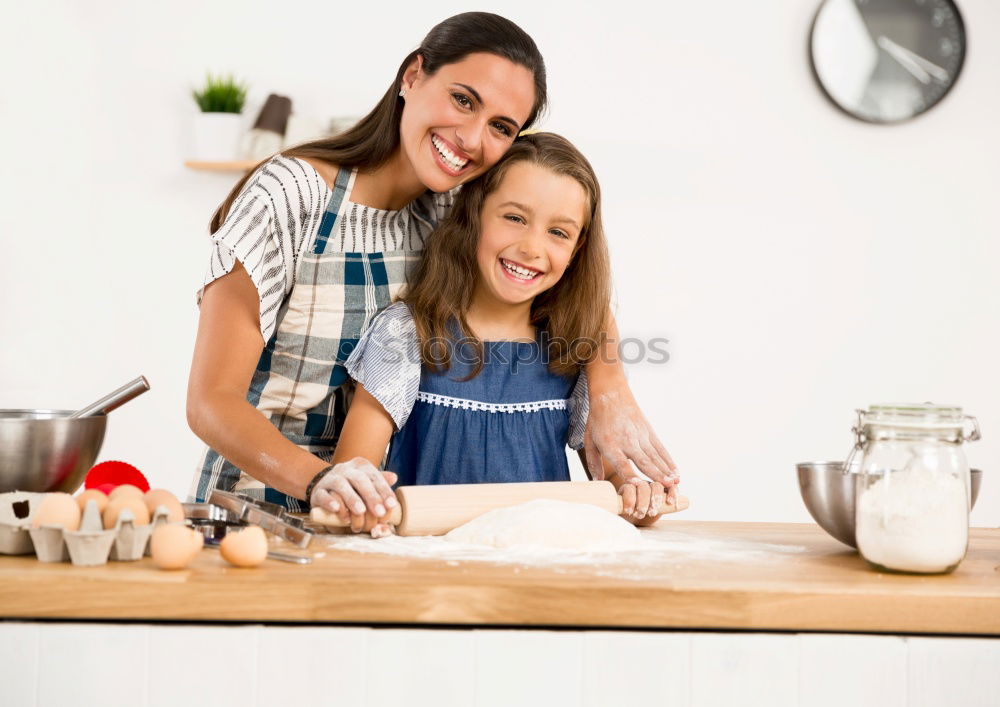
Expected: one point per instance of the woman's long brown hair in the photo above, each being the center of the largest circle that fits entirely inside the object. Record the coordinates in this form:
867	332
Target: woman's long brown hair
572	313
375	138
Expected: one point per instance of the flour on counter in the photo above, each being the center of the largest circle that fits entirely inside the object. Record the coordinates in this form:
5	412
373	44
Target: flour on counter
655	546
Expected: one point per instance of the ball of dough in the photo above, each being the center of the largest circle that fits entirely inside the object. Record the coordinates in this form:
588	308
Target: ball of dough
550	524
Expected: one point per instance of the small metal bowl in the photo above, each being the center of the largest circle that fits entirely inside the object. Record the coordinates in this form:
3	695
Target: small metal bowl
46	450
829	496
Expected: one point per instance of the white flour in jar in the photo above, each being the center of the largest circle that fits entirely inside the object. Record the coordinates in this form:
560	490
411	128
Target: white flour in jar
914	520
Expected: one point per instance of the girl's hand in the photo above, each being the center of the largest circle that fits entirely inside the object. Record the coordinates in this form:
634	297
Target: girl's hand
359	494
642	500
618	431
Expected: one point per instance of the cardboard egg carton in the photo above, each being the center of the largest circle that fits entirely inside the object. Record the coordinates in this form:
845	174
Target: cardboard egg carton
90	545
16	510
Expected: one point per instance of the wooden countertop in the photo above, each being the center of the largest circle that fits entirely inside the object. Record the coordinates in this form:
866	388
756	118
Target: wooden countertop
823	586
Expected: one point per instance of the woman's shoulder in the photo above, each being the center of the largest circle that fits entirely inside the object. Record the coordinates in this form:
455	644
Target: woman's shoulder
282	176
326	170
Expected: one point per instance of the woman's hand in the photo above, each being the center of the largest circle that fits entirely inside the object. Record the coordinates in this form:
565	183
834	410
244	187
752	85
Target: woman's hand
359	494
618	431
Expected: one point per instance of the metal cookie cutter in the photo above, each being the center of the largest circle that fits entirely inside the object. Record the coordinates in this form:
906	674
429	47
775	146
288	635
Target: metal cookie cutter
226	510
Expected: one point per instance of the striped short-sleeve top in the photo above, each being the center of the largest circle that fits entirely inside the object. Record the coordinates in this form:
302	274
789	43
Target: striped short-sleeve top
323	266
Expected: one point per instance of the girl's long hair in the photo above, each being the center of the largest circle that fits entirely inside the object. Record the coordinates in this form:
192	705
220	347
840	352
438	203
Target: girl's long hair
572	313
375	138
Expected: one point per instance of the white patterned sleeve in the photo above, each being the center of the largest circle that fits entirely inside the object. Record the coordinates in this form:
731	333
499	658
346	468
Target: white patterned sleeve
579	409
273	219
386	361
443	203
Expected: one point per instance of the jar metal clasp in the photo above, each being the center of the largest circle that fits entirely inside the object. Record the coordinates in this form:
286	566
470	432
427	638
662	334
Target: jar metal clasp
974	434
860	438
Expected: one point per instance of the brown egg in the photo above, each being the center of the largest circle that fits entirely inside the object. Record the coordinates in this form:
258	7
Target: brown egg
173	546
125	490
59	509
117	505
245	548
161	497
197	541
92	495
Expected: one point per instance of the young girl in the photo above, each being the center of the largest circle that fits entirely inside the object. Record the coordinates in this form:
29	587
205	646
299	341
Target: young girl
476	375
313	243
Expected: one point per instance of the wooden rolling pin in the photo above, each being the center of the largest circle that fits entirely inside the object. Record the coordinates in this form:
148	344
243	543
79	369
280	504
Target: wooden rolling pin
436	509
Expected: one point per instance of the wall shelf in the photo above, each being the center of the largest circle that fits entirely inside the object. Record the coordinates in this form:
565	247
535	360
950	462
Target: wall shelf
234	166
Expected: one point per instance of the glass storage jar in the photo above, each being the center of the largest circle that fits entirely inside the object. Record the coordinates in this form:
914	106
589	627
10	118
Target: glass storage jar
912	494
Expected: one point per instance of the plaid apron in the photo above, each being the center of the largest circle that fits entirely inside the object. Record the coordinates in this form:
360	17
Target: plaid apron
299	383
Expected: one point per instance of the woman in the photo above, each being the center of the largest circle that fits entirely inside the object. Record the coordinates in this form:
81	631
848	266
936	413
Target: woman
311	245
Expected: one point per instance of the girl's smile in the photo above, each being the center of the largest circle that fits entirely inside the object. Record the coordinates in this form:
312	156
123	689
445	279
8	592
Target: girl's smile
518	272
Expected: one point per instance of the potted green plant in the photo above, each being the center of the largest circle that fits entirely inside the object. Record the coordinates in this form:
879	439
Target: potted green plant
218	127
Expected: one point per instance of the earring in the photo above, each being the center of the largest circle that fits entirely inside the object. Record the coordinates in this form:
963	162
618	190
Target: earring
402	92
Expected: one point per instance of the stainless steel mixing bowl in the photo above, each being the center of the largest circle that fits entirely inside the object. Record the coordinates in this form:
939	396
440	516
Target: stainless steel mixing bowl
46	450
829	496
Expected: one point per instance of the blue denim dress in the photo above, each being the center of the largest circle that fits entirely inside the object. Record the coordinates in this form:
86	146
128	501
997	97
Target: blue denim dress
512	422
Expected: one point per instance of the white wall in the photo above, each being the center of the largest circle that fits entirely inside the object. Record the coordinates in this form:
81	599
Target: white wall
802	263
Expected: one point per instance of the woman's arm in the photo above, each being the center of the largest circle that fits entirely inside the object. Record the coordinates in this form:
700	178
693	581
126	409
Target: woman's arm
226	352
617	431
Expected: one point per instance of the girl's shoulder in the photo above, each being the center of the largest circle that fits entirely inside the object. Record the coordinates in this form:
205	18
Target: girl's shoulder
396	320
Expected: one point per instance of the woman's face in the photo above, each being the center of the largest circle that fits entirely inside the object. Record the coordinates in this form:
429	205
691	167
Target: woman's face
529	228
458	122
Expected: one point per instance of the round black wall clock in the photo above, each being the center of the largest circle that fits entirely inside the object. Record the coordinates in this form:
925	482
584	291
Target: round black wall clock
884	61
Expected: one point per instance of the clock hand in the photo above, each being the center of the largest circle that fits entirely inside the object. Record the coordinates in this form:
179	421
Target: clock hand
903	60
911	60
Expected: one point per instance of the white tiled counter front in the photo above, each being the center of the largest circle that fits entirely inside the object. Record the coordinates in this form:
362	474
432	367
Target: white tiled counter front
60	664
813	627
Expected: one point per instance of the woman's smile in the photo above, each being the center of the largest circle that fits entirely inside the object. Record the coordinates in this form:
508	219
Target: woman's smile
451	159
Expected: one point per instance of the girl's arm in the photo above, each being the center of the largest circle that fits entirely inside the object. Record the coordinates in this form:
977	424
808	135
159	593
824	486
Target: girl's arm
367	430
226	352
617	431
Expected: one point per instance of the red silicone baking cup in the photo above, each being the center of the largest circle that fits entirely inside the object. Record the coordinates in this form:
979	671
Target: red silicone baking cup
115	473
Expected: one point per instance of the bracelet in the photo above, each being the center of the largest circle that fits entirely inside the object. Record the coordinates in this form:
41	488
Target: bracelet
315	480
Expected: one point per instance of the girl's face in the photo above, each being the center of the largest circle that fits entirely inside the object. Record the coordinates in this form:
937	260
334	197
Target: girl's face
529	229
457	123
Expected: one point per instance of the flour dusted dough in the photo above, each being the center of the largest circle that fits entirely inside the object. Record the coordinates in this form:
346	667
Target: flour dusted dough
550	524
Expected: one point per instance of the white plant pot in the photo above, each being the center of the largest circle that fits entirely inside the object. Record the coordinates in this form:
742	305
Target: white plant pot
217	137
